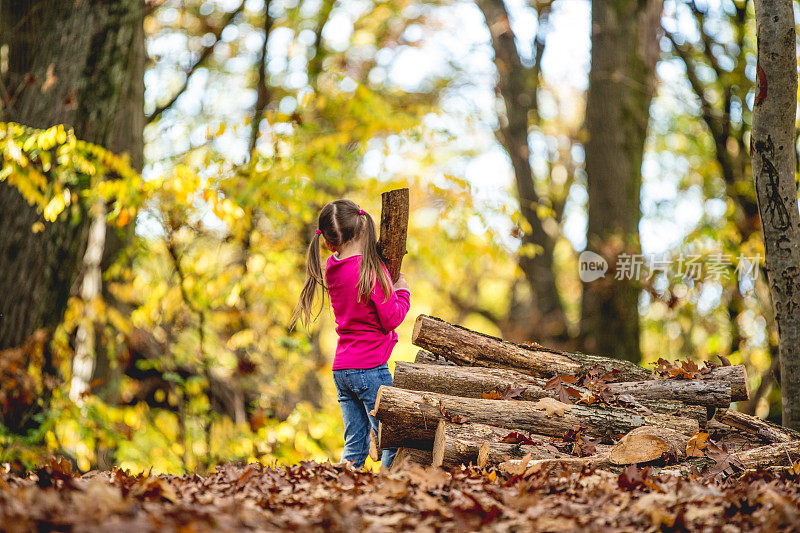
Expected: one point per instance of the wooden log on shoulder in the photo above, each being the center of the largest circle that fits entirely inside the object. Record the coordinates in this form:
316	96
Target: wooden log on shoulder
778	454
410	456
649	443
766	431
456	444
474	382
465	347
418	414
393	230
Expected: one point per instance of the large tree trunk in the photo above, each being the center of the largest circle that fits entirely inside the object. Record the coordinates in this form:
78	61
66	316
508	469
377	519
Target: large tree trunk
625	35
772	147
418	414
80	64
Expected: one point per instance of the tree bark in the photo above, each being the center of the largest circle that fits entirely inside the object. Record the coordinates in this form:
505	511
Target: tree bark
469	348
474	382
418	414
625	36
518	467
649	443
753	425
456	444
76	64
428	358
772	149
394	229
779	454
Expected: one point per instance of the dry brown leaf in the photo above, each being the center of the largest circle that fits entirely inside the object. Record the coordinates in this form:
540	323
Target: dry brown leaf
697	444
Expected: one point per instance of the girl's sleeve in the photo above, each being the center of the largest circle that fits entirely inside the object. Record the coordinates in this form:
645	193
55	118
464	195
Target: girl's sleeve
392	310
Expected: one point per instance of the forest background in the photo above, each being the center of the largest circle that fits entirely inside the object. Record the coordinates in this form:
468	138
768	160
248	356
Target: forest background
236	121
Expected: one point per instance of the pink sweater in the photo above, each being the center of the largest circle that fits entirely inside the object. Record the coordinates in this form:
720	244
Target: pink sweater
366	329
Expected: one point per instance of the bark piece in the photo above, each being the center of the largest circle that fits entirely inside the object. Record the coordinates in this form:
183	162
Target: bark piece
456	444
374	450
415	416
778	454
519	467
649	443
752	424
428	358
406	456
394	229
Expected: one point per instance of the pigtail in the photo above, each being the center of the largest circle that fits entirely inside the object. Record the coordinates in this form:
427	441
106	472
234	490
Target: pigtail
371	264
304	310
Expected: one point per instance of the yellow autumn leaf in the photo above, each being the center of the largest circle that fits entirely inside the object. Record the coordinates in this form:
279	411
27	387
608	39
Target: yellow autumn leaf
54	207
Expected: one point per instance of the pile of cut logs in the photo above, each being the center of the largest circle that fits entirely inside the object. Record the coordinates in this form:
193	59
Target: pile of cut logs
470	398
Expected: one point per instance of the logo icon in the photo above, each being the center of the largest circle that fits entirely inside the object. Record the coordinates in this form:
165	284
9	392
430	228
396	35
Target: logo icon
591	266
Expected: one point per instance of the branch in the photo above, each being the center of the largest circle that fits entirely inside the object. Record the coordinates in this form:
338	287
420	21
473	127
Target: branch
315	63
261	88
713	122
469	307
204	55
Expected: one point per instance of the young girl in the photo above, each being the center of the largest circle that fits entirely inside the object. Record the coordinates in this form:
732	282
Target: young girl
367	309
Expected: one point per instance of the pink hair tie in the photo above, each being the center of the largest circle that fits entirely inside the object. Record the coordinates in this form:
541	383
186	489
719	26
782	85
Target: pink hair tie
361	212
319	232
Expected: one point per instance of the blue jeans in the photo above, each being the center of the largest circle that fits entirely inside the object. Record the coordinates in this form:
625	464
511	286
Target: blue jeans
356	391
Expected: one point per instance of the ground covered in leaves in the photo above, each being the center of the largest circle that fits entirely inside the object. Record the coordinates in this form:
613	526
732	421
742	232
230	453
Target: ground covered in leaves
310	496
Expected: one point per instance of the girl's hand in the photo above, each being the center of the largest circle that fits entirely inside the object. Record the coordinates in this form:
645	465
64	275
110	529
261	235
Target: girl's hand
401	283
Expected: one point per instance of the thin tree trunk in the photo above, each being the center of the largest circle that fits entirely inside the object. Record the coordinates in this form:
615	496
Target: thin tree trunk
625	35
773	158
91	288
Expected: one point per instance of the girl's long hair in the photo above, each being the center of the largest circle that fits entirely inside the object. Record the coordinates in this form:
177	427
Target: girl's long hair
341	221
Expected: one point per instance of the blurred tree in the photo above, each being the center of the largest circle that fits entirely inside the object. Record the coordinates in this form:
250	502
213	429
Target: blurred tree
79	64
625	50
535	312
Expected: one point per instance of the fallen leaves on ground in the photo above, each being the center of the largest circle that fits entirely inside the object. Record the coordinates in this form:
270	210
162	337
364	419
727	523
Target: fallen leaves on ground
316	497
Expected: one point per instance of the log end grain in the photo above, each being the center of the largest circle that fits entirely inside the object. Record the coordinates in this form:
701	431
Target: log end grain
649	443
